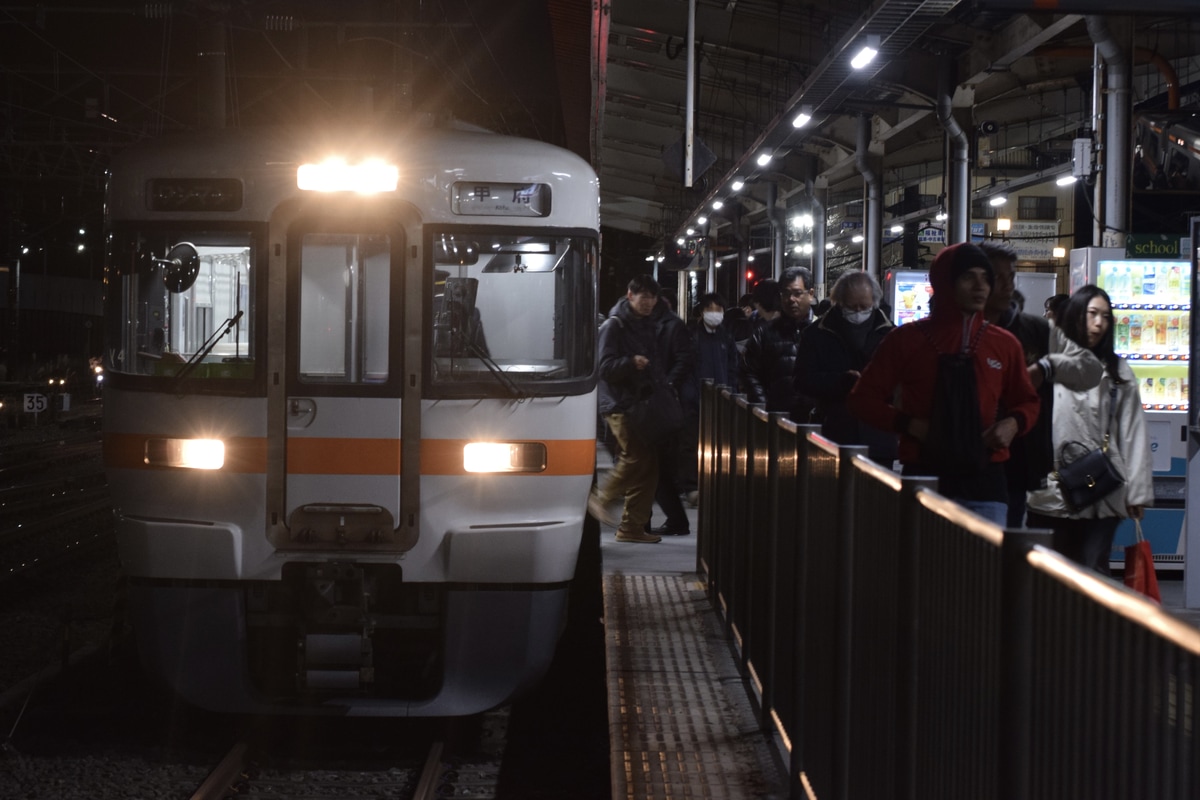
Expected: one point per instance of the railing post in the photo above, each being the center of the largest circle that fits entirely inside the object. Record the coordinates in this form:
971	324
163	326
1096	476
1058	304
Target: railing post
1016	654
799	506
776	493
847	476
907	622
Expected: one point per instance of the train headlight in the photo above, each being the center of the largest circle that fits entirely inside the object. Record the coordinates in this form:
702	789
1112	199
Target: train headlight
185	453
504	457
335	175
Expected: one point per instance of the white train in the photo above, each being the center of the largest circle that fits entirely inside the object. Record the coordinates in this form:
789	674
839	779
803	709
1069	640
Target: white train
350	412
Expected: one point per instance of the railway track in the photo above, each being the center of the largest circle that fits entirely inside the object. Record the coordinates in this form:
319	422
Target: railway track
248	771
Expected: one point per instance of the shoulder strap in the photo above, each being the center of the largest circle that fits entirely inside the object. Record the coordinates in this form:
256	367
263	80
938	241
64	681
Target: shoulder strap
1112	410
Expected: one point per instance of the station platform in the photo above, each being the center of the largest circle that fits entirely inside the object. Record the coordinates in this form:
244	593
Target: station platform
681	724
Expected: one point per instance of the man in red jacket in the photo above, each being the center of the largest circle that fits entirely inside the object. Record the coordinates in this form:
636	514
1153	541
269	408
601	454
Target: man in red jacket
954	387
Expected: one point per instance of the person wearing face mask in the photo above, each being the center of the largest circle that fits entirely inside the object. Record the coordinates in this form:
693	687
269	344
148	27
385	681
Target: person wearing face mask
716	353
832	354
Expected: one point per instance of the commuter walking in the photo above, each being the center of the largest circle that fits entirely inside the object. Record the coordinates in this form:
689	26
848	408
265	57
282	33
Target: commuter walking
717	361
1109	414
770	358
630	364
953	386
1050	358
678	359
832	354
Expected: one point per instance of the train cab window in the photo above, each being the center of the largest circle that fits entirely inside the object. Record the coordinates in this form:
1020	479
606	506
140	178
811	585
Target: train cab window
344	293
510	313
187	303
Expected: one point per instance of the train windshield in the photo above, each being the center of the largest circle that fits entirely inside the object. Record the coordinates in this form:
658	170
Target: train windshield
181	304
511	311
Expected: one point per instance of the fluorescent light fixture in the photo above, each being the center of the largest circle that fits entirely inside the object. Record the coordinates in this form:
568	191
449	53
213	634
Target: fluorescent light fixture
1003	224
690	231
701	220
998	200
802	220
857	238
185	453
504	457
829	245
764	159
867	54
941	215
1066	180
897	229
650	258
737	184
335	175
718	205
803	117
1060	252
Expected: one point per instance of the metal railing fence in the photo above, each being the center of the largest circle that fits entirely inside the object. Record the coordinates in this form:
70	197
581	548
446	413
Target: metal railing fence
898	646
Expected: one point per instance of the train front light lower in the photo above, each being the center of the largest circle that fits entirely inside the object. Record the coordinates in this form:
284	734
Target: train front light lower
504	457
185	453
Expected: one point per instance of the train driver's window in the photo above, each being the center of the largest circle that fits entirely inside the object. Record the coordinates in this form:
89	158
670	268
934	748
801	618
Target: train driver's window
187	304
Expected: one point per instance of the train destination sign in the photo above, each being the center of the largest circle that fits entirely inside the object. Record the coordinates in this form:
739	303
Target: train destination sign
501	199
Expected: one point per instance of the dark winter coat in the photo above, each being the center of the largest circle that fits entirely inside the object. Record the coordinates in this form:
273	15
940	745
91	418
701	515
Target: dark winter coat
824	365
770	361
661	337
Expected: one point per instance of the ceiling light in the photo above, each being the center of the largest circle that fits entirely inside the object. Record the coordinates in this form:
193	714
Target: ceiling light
857	238
691	232
797	249
998	200
701	220
750	257
941	215
1066	180
829	245
680	242
802	220
897	229
803	117
867	54
650	258
737	184
807	248
718	205
764	159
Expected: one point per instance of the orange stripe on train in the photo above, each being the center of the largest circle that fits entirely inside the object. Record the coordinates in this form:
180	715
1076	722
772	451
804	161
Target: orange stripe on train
341	456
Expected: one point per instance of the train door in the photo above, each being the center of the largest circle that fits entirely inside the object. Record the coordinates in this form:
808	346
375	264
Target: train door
343	401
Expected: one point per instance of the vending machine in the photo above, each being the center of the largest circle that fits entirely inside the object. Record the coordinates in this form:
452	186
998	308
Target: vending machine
1152	330
908	293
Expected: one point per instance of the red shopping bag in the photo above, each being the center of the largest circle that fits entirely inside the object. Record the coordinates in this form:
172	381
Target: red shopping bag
1139	566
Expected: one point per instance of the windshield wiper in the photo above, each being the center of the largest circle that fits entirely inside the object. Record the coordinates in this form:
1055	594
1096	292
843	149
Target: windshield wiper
207	347
500	374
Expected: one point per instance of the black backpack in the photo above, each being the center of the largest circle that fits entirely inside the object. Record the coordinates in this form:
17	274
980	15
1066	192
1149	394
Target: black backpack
954	444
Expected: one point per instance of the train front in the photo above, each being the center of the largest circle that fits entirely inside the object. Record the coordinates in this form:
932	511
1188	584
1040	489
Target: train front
350	414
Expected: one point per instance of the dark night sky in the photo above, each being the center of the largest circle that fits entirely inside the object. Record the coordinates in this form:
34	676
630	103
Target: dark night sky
81	83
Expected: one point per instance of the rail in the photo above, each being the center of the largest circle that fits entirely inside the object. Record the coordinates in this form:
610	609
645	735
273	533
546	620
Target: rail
898	646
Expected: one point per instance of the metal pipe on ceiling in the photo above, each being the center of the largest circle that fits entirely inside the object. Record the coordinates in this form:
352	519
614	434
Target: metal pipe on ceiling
958	205
689	151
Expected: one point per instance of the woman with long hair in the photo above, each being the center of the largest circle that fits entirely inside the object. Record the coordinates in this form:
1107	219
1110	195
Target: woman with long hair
1083	420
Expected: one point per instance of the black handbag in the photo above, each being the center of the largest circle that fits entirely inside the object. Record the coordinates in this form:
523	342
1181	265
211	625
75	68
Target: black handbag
1091	477
657	412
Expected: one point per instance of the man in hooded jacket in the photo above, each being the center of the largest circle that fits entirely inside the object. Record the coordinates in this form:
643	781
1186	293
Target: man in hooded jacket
909	360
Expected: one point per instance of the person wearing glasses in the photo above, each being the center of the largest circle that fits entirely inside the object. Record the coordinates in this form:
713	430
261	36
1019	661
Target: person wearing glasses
770	356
